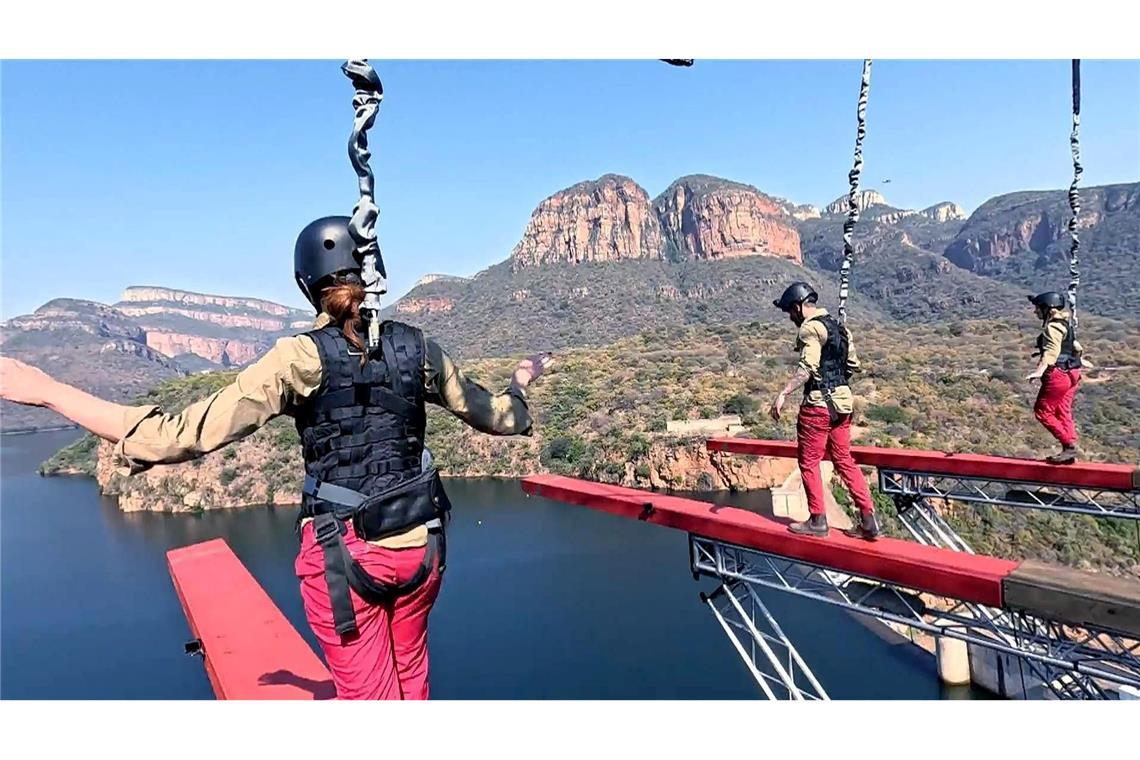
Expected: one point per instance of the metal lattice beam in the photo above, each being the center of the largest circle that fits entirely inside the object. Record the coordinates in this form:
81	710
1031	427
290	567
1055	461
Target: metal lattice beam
1069	662
768	653
1010	493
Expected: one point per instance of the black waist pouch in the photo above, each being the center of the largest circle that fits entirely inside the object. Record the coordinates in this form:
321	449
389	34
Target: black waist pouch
405	506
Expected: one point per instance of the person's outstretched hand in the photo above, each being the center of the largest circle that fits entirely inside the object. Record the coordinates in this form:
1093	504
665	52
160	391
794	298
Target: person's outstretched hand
531	368
22	383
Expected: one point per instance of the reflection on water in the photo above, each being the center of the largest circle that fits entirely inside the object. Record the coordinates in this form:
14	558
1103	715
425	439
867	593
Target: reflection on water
540	600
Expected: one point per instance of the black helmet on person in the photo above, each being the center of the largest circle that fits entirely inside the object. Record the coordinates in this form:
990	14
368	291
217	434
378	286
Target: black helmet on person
1050	299
324	250
795	294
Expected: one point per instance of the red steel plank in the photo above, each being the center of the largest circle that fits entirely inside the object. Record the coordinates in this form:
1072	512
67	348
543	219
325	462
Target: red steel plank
938	571
251	650
1113	477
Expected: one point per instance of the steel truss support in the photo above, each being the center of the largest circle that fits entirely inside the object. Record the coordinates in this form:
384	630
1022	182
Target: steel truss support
1069	663
766	650
914	486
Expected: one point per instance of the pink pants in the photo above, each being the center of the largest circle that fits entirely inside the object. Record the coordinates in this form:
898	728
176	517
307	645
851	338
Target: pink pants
1054	407
388	657
817	436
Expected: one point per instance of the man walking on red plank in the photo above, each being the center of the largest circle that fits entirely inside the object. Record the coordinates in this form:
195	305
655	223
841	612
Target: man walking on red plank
827	361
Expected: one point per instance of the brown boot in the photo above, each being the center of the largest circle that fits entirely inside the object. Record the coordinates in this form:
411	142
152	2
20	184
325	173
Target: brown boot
868	528
816	525
1067	455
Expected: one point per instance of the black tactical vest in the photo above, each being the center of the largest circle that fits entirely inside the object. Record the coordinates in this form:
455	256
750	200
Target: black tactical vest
364	428
833	371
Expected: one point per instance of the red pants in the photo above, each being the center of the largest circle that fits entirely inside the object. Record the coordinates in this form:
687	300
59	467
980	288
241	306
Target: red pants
1054	407
388	658
817	436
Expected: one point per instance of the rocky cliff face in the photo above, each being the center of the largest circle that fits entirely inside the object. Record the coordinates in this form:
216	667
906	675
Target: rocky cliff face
696	218
155	295
86	344
224	330
709	218
221	351
259	470
1034	222
945	212
864	199
603	220
70	314
1022	239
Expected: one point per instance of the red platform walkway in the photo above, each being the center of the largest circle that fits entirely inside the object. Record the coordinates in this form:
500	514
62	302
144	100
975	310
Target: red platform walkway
251	650
1054	593
1110	477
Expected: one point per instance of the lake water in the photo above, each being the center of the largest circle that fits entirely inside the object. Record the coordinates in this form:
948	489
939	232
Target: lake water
540	601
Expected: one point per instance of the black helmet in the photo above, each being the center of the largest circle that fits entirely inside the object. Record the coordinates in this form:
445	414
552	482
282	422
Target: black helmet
1050	299
796	293
324	248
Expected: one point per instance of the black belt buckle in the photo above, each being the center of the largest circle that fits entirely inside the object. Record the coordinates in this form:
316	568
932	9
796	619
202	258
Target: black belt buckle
324	531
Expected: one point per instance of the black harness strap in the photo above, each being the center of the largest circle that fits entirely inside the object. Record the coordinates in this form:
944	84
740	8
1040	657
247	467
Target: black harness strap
327	530
343	573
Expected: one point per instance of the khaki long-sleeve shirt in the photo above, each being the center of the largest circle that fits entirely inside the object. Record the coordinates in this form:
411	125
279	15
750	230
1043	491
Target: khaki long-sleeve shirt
810	339
1053	336
286	375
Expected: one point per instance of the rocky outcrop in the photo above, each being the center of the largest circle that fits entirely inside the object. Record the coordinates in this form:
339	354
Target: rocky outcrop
141	350
250	472
944	212
227	331
1036	223
250	321
690	466
604	220
979	251
710	218
222	351
71	314
147	294
427	279
864	199
805	212
86	344
424	305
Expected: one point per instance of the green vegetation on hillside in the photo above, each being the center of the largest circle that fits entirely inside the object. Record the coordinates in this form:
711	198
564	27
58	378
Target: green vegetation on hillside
952	388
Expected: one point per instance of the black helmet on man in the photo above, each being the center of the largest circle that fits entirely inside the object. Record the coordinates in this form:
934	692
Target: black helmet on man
1050	299
325	249
795	294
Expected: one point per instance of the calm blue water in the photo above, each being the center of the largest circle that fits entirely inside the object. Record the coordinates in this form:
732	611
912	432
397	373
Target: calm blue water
540	601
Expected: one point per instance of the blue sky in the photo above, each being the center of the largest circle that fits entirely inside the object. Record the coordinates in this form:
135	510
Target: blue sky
199	174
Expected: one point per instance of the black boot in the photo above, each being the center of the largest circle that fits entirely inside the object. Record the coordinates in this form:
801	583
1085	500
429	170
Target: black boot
867	529
816	525
1067	455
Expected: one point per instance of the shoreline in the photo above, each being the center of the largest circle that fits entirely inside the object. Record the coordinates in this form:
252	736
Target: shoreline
33	431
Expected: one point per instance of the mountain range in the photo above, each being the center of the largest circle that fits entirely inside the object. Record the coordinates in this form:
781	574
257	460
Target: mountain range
601	260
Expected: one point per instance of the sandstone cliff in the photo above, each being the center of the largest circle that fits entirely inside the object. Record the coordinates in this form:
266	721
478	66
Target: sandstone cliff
945	212
709	218
220	351
696	218
1022	239
227	331
604	220
86	344
147	294
864	199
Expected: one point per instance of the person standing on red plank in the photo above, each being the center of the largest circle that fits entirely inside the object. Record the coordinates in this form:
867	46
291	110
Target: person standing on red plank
373	508
827	361
1059	371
